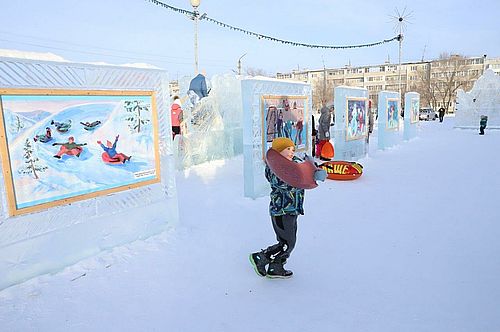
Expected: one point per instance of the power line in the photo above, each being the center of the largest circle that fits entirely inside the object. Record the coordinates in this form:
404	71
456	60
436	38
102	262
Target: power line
261	36
105	54
89	46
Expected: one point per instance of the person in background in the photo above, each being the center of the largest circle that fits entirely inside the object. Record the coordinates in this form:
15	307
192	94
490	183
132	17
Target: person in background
482	124
176	116
314	136
441	114
324	128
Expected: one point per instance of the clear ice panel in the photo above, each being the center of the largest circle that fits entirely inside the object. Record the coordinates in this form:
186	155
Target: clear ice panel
252	91
349	144
412	109
389	107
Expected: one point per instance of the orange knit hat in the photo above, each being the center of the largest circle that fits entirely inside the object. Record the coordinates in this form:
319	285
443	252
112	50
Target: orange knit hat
281	143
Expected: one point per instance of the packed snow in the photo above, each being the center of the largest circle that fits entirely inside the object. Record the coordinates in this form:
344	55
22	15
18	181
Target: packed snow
412	245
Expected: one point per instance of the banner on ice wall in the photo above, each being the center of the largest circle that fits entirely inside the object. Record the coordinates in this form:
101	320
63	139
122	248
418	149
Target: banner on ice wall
60	146
284	116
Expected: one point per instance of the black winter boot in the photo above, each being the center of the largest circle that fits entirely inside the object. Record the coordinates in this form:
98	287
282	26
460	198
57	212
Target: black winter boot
276	270
259	261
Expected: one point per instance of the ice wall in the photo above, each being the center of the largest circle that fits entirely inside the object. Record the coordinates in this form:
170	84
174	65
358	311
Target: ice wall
253	90
211	129
349	145
389	107
47	241
483	99
412	108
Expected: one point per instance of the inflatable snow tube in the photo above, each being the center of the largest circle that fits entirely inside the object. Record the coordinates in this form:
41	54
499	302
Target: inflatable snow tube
342	170
108	160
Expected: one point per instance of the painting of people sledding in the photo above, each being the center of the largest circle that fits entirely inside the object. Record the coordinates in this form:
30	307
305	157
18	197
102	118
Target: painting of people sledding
70	147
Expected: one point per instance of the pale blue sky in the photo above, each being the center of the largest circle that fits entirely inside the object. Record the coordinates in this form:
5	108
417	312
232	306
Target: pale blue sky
126	31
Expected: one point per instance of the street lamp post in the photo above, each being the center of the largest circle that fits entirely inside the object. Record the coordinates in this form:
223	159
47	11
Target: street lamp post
239	63
195	4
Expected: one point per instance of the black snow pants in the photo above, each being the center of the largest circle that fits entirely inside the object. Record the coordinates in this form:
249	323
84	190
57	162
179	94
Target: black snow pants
285	228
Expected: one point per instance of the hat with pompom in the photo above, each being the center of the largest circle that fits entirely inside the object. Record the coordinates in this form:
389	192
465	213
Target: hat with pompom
281	143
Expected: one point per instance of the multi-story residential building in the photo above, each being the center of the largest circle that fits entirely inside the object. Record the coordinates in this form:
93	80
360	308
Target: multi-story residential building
431	78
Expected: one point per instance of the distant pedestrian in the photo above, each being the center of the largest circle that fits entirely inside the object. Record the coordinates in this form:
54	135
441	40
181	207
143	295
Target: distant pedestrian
482	124
325	120
314	136
176	116
441	114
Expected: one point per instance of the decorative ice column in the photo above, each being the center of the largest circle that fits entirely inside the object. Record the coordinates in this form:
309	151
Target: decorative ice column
388	119
351	123
87	206
412	106
272	108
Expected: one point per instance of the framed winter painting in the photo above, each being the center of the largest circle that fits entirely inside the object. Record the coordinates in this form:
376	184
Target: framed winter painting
284	116
356	115
62	146
392	114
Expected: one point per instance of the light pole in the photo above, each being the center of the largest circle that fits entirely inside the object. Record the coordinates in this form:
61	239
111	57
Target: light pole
195	4
239	63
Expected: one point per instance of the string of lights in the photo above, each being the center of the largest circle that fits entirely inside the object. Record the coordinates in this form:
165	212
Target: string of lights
261	36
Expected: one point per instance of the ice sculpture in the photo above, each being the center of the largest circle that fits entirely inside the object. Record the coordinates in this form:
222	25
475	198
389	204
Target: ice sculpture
48	240
483	99
388	119
256	93
351	123
411	111
211	128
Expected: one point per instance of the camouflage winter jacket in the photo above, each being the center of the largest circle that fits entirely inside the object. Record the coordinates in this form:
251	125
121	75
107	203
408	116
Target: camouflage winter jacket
285	199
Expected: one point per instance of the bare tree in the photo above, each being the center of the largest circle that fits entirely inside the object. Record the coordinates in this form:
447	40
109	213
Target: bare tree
256	72
425	88
451	74
439	82
322	93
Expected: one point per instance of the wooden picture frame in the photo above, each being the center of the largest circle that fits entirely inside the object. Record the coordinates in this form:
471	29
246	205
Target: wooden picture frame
285	116
392	121
63	146
356	124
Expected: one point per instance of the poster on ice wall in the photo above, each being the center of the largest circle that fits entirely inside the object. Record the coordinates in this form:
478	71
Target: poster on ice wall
356	115
61	146
392	114
284	116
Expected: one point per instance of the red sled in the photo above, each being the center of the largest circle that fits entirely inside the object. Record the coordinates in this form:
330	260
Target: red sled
342	170
298	175
108	160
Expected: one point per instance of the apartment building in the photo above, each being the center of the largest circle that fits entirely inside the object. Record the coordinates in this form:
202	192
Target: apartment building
412	76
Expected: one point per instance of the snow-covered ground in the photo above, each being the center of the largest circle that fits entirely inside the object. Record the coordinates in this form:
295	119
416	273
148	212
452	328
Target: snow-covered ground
413	245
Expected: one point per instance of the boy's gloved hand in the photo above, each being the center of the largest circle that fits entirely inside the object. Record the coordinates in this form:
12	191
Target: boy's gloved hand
308	158
320	175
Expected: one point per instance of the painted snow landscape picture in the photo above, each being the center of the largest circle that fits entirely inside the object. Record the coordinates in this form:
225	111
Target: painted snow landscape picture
64	146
